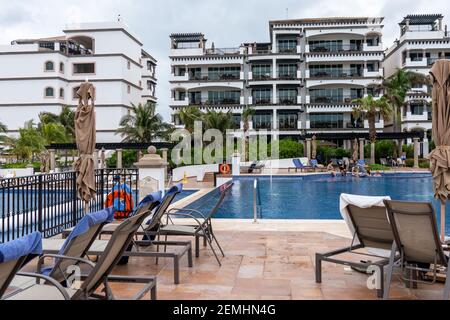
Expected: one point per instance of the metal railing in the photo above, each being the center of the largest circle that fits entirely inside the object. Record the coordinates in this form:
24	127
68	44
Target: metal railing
222	51
328	99
221	76
339	73
334	48
207	102
48	203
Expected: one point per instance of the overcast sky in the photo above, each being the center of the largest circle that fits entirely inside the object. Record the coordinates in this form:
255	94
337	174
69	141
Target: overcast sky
227	23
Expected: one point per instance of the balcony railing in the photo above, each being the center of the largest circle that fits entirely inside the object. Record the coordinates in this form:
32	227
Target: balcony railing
339	73
431	61
222	51
212	102
287	101
214	76
287	126
327	99
287	76
284	50
262	76
262	101
335	48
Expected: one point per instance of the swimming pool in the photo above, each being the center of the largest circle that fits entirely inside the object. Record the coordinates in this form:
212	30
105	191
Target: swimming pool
314	196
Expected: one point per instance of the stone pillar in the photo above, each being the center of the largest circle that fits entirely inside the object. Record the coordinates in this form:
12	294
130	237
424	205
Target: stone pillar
165	157
152	173
426	147
236	164
274	120
416	152
308	148
400	148
95	159
119	153
52	160
361	148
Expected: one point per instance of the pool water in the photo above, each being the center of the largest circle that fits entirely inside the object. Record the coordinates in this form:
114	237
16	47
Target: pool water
184	194
314	197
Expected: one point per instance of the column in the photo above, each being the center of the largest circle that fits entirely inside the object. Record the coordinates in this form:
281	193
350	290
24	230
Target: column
236	164
308	148
416	152
164	152
52	160
361	148
426	147
274	120
119	153
152	169
400	148
274	94
95	159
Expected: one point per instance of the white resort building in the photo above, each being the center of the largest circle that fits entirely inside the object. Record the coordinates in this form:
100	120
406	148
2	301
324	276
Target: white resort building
422	41
302	81
42	75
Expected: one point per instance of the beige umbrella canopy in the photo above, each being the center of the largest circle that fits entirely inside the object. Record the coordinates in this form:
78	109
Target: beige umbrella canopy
314	147
355	150
85	139
440	157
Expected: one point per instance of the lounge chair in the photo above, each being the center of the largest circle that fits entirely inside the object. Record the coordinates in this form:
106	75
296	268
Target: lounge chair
98	276
316	166
300	166
368	223
14	254
417	240
256	165
202	227
150	223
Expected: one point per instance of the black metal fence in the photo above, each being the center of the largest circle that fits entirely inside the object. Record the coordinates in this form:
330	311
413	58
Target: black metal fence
48	203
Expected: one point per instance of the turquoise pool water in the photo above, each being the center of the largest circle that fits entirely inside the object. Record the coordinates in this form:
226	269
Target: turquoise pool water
314	197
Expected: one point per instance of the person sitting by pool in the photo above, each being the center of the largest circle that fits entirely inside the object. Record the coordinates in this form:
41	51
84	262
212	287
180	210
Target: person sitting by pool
330	168
342	168
377	174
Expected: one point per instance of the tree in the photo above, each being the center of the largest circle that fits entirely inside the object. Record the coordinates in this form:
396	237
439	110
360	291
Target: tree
66	118
188	116
30	142
397	86
143	125
221	121
370	108
3	129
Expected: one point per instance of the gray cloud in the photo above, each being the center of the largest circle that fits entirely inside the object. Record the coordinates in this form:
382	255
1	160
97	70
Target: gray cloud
226	22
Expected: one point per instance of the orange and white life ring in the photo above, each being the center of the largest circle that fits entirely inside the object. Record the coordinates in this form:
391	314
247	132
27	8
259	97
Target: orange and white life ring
225	168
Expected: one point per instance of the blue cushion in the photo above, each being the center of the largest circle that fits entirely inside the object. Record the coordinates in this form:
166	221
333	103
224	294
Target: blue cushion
14	250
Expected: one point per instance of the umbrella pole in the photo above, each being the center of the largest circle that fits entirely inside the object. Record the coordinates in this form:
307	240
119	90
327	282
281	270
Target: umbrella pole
86	207
443	221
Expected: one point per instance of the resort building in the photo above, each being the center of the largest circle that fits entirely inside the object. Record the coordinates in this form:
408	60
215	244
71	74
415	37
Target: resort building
302	81
42	75
423	40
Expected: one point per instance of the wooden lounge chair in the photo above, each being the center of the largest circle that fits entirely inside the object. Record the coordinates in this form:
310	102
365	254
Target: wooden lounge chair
99	275
417	240
371	231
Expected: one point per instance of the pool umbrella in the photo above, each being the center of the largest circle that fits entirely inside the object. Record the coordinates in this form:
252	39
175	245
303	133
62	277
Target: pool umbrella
314	147
440	157
85	139
355	150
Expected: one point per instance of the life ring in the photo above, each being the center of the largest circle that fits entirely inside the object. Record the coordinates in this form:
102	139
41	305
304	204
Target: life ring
225	168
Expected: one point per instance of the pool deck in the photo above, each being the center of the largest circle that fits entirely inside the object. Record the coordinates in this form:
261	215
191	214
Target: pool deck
268	260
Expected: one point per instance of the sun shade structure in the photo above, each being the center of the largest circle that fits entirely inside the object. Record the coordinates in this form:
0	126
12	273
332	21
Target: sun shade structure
85	139
440	157
314	148
355	150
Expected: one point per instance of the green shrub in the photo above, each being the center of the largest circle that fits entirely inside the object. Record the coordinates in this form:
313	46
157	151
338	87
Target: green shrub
424	163
409	163
409	151
129	157
379	167
289	149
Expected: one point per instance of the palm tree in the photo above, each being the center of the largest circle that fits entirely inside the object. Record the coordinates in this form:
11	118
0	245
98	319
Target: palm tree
3	128
247	113
370	108
397	86
66	118
143	125
189	116
30	142
221	121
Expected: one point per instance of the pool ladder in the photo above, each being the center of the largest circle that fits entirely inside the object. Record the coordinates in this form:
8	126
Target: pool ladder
256	201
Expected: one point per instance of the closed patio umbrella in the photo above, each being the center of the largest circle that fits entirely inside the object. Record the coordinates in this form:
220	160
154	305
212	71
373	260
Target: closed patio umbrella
440	157
355	150
85	139
314	147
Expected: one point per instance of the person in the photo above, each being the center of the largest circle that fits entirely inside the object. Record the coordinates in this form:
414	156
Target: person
330	168
377	174
355	171
342	168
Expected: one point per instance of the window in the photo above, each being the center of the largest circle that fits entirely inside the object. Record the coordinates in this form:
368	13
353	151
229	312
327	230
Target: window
149	85
49	66
84	68
287	96
49	92
74	92
262	96
326	120
262	121
262	71
236	121
287	121
61	93
61	67
325	45
149	65
287	71
417	109
188	45
327	95
128	65
128	89
224	73
224	97
332	70
287	45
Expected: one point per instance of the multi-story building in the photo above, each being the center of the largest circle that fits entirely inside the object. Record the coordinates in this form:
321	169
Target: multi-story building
303	81
42	75
422	41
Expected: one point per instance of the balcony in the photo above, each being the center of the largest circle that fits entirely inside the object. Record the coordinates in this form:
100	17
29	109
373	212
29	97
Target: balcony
333	48
288	76
287	101
288	126
179	102
373	48
215	102
338	73
289	50
262	101
223	51
332	100
260	77
211	77
373	73
179	77
415	62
